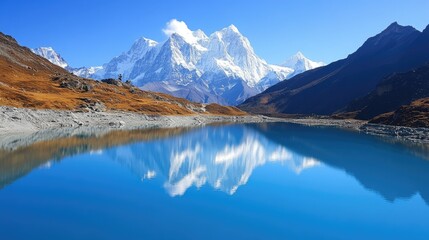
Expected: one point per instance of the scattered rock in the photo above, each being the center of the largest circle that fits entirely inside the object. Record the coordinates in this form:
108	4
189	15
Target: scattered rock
118	124
78	122
133	90
112	82
73	83
70	84
92	105
86	87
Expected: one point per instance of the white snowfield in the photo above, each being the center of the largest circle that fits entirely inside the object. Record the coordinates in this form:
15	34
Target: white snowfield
221	67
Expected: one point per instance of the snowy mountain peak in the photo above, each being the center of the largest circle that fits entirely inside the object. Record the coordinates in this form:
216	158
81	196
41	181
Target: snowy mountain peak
140	47
50	54
145	41
230	30
200	35
299	55
300	63
233	28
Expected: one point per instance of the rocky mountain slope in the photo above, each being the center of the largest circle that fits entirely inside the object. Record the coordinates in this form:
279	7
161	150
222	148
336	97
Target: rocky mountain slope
329	89
30	81
415	114
393	92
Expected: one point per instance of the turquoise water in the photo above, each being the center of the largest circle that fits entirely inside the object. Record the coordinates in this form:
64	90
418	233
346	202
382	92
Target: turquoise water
254	181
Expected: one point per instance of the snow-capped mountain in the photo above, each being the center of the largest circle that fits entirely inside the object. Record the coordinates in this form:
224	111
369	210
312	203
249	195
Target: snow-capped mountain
300	64
51	55
86	72
221	67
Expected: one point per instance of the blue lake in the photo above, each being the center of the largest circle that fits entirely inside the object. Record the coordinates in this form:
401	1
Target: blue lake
248	181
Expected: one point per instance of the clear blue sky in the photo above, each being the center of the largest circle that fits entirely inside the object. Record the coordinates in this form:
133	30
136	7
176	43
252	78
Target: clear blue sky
88	33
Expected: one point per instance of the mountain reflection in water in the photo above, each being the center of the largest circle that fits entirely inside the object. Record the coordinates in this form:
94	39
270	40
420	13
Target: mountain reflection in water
224	157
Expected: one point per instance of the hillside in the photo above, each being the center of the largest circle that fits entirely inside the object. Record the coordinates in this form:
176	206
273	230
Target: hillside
30	81
415	114
394	91
330	89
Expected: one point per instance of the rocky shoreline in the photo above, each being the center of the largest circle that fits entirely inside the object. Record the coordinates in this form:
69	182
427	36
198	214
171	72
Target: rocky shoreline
17	123
19	120
416	135
20	126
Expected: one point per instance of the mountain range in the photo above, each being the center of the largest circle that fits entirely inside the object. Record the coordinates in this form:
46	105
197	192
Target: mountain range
30	81
221	68
348	85
386	79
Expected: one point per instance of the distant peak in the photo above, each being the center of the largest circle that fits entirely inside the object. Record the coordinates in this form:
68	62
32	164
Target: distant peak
299	55
393	31
300	63
394	24
147	41
395	27
231	28
45	49
50	54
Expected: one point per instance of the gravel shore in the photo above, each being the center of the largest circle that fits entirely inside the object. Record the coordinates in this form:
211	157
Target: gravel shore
19	120
20	126
416	135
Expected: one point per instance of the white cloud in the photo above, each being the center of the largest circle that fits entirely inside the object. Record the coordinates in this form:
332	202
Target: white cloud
180	28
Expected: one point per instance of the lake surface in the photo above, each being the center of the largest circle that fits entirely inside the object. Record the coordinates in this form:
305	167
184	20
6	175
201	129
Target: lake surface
251	181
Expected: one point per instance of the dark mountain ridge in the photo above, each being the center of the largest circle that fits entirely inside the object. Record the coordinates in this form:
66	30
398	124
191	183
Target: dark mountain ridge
330	89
